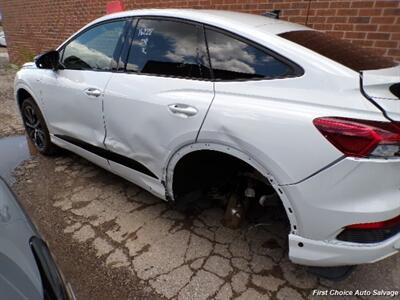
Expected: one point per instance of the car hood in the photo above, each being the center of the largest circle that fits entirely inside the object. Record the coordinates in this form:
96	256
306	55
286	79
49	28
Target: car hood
29	65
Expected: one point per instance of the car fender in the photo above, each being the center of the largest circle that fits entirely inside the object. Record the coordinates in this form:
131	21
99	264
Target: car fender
23	84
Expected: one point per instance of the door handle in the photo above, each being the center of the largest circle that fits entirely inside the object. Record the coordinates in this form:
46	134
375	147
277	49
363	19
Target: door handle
93	92
182	110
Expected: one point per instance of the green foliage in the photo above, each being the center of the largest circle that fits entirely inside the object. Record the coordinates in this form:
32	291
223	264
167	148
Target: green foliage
25	55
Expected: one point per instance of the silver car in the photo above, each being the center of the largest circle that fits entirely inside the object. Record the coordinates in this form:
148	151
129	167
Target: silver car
28	270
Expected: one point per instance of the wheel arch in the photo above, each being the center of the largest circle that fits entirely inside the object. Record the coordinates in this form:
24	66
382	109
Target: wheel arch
22	94
243	157
23	91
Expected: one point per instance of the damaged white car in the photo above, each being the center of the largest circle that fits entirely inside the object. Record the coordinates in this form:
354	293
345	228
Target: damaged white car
188	103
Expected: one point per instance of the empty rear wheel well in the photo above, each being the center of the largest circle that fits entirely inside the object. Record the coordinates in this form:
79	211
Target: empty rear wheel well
208	174
202	168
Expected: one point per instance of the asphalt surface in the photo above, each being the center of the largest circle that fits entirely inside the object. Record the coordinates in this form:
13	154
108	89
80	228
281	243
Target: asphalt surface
114	240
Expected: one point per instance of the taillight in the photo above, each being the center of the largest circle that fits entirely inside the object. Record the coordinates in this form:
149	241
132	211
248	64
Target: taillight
361	138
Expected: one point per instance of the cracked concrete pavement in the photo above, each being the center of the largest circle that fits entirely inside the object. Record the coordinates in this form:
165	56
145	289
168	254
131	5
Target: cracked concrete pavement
114	240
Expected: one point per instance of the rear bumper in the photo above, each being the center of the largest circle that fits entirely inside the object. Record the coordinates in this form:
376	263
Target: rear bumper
335	253
353	191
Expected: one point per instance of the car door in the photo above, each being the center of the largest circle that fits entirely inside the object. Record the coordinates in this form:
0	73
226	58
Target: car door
160	102
73	96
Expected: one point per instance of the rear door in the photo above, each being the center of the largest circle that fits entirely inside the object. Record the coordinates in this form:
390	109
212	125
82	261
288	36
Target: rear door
159	103
73	96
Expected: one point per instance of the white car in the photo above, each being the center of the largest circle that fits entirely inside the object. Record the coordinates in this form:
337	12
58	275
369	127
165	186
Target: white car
188	103
3	39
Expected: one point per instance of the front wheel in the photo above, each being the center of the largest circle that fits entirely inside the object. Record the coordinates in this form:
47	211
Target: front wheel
36	127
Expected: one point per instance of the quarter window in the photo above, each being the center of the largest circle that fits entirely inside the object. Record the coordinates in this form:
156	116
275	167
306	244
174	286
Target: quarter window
168	48
233	59
93	49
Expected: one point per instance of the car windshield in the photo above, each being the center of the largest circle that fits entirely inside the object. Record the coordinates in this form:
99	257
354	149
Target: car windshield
339	50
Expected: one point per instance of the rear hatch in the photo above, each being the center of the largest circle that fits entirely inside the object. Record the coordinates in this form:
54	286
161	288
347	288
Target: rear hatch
380	76
382	86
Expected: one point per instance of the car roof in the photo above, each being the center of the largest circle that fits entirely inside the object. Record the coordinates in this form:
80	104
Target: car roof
219	18
258	28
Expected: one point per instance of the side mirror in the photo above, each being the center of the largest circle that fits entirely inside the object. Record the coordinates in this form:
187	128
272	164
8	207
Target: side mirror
48	60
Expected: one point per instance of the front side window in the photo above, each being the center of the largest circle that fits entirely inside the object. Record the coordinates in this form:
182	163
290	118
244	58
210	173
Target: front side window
93	49
233	59
168	48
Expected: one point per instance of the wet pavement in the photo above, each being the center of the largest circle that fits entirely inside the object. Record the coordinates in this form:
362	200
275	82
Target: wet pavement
13	151
114	240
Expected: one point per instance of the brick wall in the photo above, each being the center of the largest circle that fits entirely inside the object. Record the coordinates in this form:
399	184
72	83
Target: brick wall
33	26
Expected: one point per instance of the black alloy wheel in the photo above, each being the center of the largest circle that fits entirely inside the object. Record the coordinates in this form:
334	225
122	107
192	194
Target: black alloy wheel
36	128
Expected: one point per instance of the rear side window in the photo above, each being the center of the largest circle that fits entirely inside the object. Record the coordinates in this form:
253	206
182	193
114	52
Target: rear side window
233	59
93	49
341	51
168	48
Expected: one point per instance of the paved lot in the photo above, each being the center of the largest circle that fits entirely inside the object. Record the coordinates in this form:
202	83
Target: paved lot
116	241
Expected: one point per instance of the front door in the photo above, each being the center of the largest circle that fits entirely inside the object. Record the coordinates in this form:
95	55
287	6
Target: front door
73	97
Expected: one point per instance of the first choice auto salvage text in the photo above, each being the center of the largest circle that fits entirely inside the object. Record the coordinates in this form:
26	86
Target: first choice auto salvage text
345	293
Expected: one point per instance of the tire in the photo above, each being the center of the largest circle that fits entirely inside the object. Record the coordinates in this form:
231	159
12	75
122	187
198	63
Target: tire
36	128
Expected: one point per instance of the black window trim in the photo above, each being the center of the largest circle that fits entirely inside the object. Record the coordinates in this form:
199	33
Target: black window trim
200	31
203	29
126	48
298	71
117	52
